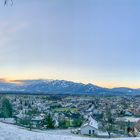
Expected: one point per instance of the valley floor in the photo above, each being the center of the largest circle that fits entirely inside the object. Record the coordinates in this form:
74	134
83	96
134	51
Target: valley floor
12	132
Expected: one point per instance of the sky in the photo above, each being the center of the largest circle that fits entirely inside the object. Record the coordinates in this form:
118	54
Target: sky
88	41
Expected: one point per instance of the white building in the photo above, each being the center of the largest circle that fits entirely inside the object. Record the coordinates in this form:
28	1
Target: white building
90	128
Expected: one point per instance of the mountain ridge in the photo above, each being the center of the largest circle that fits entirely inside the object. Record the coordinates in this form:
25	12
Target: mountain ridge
45	86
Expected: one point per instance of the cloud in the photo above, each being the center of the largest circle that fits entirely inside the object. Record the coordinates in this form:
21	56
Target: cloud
2	80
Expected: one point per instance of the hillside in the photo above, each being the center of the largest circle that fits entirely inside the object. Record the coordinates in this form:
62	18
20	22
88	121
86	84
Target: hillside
11	132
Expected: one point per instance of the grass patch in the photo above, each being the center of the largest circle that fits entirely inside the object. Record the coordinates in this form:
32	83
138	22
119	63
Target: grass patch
65	109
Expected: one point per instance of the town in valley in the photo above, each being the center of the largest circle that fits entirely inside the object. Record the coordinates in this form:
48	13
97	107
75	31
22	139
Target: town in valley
83	115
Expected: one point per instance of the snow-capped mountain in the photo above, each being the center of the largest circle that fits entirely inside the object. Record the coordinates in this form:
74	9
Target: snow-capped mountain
49	86
123	89
58	87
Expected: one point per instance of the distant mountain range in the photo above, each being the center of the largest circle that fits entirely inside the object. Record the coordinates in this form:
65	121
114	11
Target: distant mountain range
59	87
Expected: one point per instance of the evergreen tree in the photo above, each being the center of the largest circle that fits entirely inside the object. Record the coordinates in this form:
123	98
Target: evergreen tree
6	108
49	122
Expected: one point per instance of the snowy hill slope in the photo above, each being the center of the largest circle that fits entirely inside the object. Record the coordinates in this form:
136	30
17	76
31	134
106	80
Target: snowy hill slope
11	132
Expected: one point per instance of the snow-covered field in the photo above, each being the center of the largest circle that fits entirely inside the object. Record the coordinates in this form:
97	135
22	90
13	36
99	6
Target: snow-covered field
11	132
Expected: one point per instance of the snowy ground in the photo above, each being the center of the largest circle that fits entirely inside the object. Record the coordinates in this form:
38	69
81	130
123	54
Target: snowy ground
11	132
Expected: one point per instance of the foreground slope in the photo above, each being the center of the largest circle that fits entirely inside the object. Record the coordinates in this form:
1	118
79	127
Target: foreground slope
11	132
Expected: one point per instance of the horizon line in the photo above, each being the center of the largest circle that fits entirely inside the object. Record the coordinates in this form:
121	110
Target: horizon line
17	81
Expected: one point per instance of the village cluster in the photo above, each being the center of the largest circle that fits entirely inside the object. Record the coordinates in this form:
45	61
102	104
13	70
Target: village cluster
98	116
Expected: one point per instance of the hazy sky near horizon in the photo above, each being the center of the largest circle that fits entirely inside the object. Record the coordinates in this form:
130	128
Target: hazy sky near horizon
89	41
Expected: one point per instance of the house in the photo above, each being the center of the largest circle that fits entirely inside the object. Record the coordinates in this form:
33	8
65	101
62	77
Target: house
90	127
131	120
35	121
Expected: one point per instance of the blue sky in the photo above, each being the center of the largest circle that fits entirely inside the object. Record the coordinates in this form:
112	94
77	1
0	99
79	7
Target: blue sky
89	41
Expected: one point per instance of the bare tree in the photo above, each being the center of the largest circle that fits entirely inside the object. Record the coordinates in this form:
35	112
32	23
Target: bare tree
108	120
6	2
